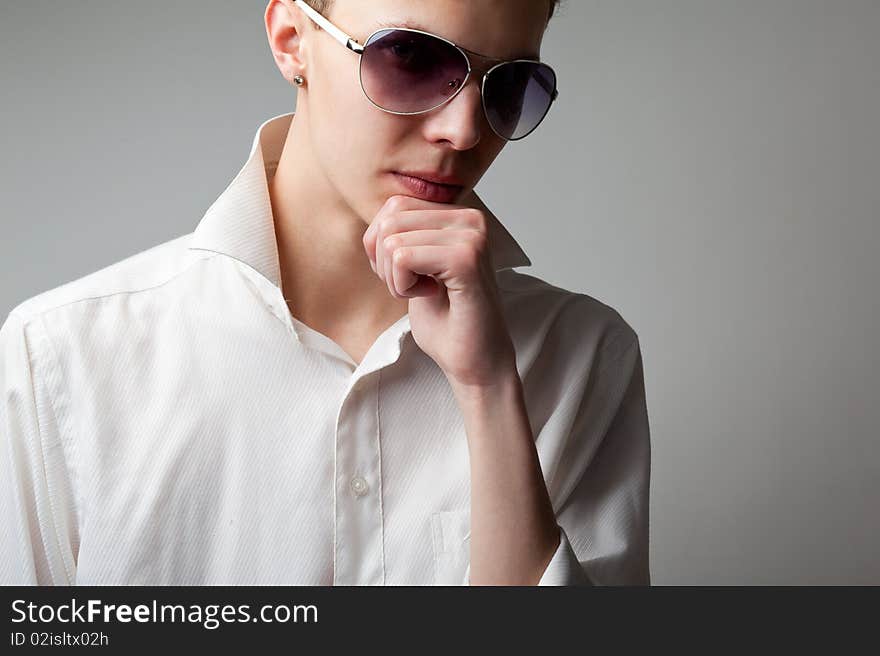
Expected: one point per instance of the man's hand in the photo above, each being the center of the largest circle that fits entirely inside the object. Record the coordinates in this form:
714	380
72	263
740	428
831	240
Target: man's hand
437	255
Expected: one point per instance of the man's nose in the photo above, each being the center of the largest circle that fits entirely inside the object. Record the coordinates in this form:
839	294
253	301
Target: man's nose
459	121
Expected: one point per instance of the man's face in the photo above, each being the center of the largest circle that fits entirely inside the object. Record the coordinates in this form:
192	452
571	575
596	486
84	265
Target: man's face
358	146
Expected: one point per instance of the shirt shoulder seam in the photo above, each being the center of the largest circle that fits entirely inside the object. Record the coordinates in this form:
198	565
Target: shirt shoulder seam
24	318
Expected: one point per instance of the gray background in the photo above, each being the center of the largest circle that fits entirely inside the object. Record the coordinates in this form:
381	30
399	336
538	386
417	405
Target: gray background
712	171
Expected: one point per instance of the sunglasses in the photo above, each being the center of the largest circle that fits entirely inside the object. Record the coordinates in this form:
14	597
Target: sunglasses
407	71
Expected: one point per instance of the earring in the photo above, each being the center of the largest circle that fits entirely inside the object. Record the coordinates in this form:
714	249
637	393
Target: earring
299	80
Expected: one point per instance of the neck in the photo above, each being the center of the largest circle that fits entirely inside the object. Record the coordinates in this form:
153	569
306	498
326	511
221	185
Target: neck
325	273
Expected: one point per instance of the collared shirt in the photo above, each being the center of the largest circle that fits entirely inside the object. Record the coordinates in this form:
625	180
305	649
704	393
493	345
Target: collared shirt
166	420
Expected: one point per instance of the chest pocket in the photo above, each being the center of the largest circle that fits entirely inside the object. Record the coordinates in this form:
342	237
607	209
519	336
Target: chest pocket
450	535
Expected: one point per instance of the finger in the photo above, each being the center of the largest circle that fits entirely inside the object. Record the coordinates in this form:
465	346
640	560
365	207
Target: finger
401	278
407	220
378	229
400	282
387	257
411	221
458	262
427	237
370	242
380	253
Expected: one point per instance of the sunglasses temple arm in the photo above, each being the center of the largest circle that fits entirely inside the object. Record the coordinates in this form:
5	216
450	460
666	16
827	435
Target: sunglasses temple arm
329	27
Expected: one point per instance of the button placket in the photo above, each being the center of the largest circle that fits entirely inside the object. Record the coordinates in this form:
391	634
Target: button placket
359	554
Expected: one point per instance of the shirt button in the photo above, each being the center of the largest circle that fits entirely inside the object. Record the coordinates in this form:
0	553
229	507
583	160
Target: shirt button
359	486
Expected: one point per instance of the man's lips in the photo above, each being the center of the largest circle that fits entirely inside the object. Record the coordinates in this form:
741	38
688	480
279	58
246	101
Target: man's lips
426	190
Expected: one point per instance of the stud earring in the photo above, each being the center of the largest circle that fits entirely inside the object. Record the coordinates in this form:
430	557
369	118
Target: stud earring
299	80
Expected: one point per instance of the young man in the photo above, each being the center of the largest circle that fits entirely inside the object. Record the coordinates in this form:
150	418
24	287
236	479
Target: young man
338	378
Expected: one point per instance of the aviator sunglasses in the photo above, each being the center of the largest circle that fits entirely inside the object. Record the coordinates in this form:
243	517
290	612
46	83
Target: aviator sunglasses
408	71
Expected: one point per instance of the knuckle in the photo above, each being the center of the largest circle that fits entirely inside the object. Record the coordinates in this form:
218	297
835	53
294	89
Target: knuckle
384	226
475	218
474	253
391	243
480	242
400	255
395	202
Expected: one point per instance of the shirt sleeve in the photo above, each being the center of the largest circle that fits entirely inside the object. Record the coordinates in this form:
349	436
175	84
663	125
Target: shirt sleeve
37	538
603	521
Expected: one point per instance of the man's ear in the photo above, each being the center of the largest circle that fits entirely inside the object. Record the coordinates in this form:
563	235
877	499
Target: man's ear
285	25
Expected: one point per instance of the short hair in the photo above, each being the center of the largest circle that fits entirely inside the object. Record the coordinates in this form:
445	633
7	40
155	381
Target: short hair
324	6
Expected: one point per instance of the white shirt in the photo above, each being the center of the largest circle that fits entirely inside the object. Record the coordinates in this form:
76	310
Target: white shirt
167	421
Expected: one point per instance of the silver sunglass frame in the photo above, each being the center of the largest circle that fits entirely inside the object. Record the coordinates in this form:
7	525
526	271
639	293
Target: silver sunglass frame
353	45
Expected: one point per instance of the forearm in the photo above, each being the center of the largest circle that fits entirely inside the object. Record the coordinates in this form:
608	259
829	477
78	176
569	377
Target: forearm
513	528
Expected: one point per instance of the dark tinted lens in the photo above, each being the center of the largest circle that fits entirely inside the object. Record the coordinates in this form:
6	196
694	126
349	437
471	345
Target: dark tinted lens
406	71
517	96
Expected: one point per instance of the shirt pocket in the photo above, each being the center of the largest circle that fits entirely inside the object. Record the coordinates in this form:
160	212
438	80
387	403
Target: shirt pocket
450	536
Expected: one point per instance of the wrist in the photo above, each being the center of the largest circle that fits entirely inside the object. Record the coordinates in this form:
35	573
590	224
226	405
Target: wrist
505	385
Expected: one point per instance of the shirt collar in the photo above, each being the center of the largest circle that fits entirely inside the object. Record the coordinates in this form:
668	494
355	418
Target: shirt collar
240	222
